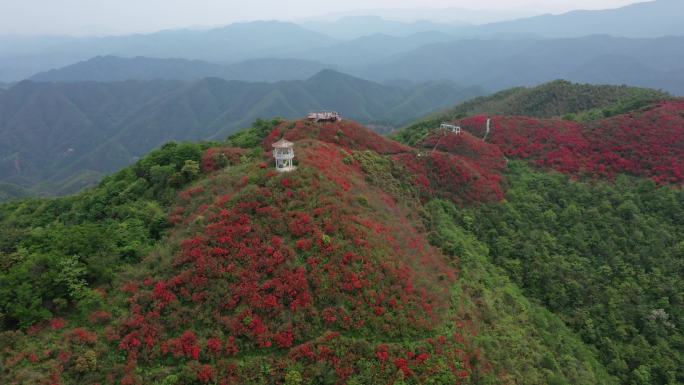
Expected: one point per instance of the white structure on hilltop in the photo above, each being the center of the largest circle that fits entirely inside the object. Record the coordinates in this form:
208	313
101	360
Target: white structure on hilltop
283	152
451	127
324	117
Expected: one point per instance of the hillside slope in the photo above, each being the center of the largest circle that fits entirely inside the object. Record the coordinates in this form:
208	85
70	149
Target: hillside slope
500	64
322	275
560	98
24	56
648	142
644	19
54	135
115	68
452	261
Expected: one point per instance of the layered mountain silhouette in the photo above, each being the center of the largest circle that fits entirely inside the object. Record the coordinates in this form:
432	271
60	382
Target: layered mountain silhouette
61	133
115	68
378	46
23	57
495	64
647	19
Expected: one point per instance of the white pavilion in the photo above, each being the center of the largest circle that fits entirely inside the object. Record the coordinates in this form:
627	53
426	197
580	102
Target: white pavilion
283	152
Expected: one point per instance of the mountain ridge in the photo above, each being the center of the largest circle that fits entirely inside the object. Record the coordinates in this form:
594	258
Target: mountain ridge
498	65
625	21
114	68
315	273
55	131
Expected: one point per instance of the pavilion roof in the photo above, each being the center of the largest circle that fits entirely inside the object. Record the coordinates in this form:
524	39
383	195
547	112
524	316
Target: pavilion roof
282	143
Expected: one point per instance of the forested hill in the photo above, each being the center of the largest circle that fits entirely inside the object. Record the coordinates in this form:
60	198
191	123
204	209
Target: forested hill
548	254
557	99
113	68
57	138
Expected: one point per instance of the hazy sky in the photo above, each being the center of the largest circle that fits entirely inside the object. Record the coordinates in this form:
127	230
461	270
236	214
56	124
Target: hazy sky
78	17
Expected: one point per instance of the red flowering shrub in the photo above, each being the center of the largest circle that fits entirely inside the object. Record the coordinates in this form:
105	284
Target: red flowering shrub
485	155
276	270
100	317
214	345
205	373
57	323
184	346
453	177
275	261
82	336
217	158
647	143
300	224
347	134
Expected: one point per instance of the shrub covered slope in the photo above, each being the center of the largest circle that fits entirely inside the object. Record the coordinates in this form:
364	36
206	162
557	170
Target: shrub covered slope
374	263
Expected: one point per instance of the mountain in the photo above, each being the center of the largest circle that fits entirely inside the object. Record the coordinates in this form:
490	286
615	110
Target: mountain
547	254
300	65
646	19
383	287
275	69
354	27
113	68
24	57
380	43
560	98
497	64
373	48
59	135
450	15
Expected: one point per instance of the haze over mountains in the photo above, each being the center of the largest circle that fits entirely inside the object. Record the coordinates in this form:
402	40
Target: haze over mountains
73	133
497	64
348	42
115	68
95	104
491	64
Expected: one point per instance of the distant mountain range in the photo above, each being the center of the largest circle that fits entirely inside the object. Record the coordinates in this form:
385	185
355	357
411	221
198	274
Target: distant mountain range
354	27
371	49
493	64
496	64
647	19
114	68
348	42
70	134
23	57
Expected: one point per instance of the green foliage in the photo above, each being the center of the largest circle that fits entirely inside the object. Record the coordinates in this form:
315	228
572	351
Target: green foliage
132	118
555	99
605	257
53	250
638	99
381	171
564	282
293	377
86	362
252	137
522	340
525	342
9	191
